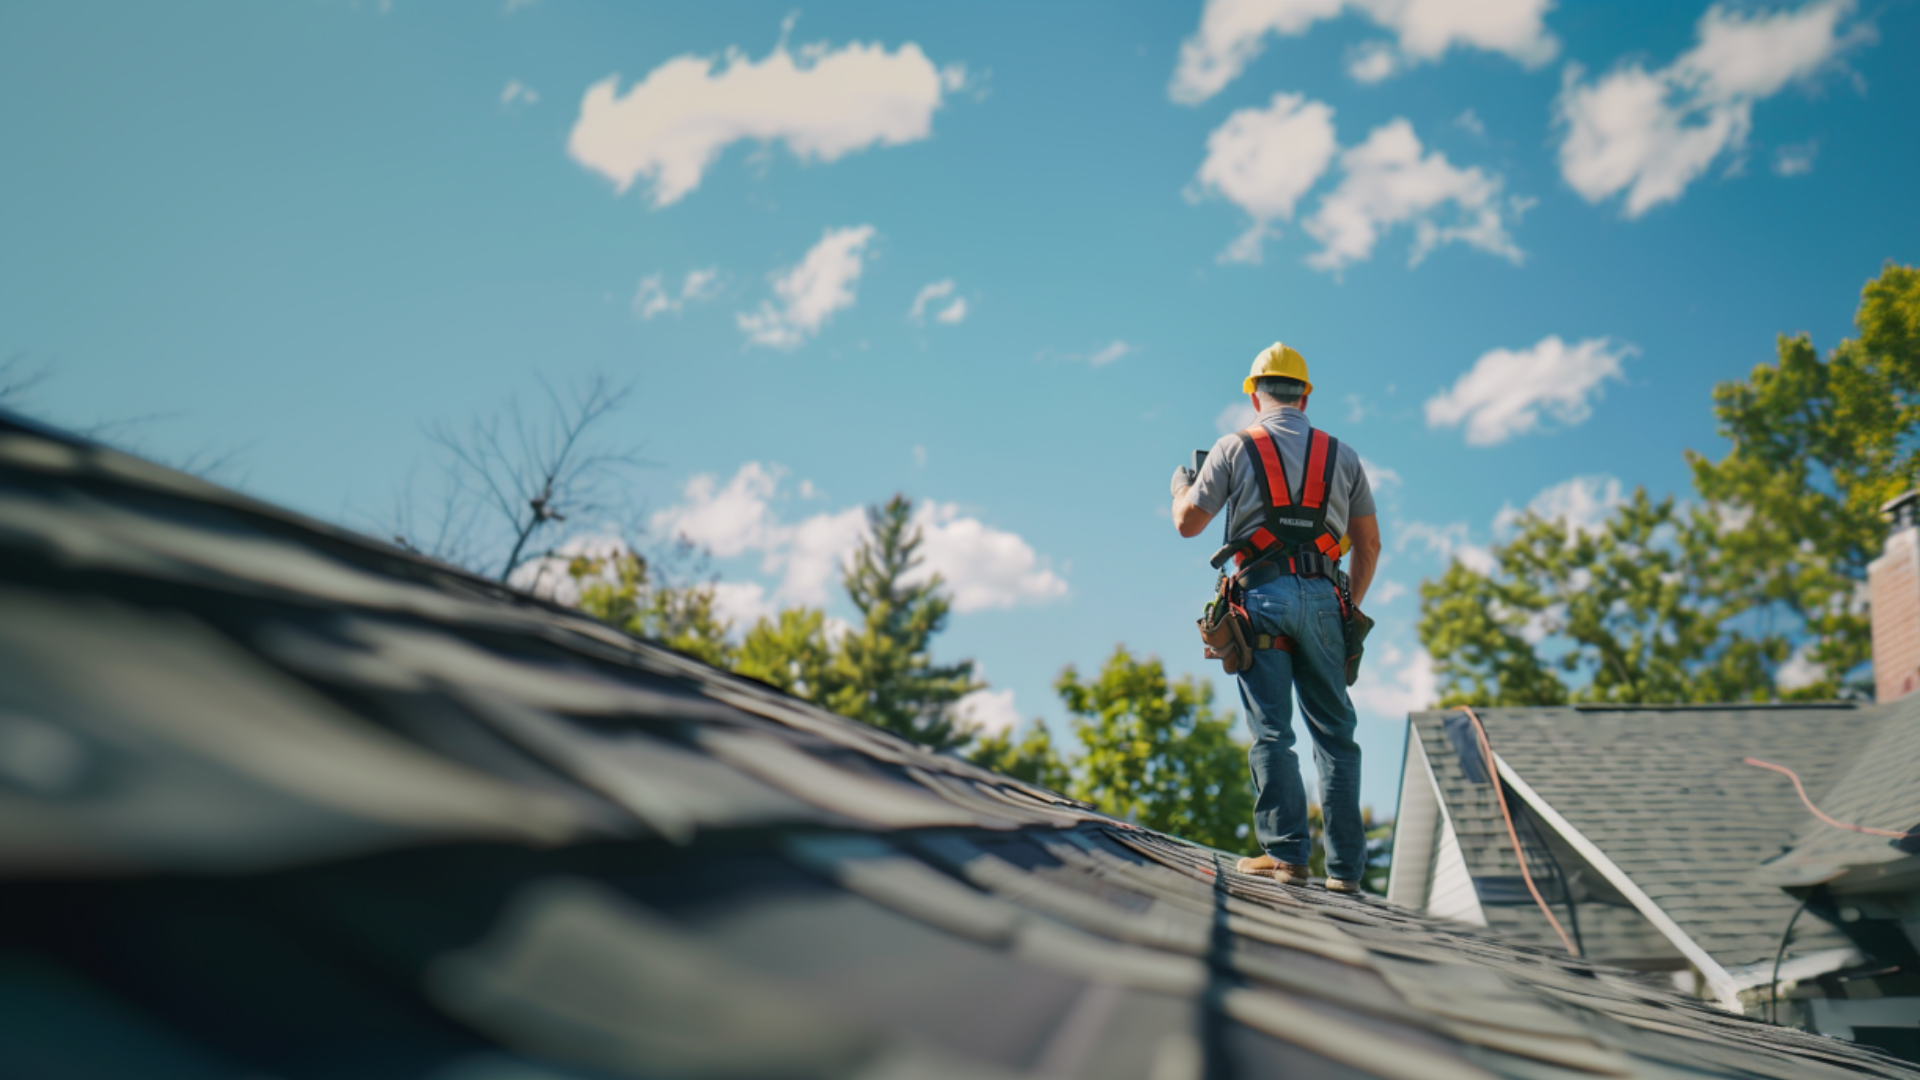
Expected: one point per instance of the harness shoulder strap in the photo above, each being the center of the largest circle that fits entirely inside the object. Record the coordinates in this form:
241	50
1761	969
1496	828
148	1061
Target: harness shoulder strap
1314	495
1273	473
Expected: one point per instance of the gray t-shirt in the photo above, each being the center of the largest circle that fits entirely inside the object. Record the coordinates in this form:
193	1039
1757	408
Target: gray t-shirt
1227	479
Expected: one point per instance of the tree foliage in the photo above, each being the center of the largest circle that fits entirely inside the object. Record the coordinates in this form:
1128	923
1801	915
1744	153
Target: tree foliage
881	671
1154	752
1032	759
616	590
888	677
1711	601
791	651
1818	447
1635	609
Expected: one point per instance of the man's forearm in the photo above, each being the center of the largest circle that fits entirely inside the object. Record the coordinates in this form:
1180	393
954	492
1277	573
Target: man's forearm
1361	576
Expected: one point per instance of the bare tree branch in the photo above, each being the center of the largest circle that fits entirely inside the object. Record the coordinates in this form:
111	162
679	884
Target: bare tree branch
519	476
18	380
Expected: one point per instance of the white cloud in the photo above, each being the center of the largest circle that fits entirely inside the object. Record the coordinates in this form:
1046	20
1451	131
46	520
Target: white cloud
1233	32
1238	416
811	555
812	291
741	603
1372	62
1652	133
726	520
1795	160
983	567
824	104
1263	161
1386	592
1506	391
1580	504
927	295
1405	684
1450	541
954	311
548	577
654	298
1379	477
1471	123
990	712
1108	353
1800	670
1389	181
518	93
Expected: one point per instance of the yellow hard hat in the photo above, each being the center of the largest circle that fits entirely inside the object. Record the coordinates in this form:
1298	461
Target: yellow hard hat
1284	361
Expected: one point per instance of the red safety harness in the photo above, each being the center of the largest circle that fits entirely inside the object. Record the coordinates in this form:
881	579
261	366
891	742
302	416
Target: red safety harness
1292	530
1292	538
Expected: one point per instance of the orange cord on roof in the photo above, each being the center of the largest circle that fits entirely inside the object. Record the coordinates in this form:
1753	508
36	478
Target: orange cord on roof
1795	777
1499	793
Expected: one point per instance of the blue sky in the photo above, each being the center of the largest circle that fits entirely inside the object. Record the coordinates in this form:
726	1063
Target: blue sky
1517	242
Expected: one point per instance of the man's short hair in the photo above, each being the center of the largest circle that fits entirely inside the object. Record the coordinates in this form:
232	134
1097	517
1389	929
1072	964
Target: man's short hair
1282	390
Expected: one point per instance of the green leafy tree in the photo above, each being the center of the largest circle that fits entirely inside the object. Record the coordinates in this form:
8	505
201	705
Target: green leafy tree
615	589
1032	758
1155	752
1660	603
1818	446
791	651
885	666
1636	609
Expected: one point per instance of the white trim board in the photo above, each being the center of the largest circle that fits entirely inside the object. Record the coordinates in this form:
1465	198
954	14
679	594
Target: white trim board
1722	984
1415	830
1448	879
1794	968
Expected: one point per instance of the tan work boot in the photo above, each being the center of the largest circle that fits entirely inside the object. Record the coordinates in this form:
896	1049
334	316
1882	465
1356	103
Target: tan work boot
1336	885
1267	866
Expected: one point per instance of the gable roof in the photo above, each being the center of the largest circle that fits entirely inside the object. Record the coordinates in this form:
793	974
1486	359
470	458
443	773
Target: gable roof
1663	795
278	799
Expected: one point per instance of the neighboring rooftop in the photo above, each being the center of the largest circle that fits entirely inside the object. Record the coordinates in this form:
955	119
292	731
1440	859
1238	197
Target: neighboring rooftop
279	800
1664	795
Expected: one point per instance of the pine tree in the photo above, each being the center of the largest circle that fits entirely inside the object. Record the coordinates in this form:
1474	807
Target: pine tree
888	676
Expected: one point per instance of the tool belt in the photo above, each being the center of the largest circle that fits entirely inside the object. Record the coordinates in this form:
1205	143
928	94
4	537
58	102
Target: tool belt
1227	631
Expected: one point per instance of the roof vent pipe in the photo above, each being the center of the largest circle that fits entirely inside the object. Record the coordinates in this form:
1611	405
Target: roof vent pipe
1893	589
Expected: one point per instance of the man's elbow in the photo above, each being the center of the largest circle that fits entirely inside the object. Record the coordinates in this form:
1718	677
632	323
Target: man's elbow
1189	520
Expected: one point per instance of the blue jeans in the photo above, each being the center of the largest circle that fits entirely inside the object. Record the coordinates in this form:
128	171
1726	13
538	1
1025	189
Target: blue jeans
1308	611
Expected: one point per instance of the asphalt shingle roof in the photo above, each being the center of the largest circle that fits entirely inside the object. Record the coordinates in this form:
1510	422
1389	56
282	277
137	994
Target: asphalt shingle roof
278	800
1663	793
1878	789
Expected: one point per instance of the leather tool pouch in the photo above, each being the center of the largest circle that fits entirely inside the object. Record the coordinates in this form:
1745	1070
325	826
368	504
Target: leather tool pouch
1225	634
1225	630
1356	626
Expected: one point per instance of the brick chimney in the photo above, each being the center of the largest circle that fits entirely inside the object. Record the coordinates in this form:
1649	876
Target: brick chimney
1893	586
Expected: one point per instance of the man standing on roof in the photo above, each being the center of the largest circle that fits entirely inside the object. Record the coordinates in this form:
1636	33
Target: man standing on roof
1296	500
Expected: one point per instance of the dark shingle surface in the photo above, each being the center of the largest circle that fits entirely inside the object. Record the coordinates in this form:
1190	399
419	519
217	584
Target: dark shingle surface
1663	793
278	801
1879	789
